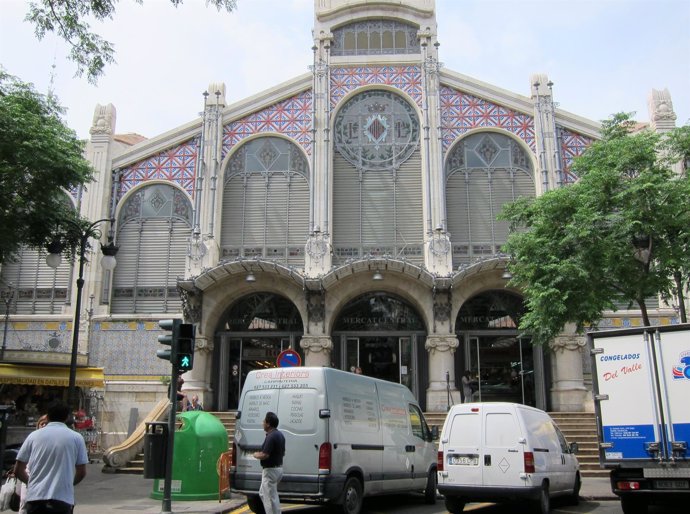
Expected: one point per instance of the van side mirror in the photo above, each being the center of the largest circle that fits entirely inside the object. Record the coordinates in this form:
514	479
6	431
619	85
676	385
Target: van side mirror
574	448
434	432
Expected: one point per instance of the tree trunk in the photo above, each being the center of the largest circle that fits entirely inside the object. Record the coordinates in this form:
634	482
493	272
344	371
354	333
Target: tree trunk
678	278
643	310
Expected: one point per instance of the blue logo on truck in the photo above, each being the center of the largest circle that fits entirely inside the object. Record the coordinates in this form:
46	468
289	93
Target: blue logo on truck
682	372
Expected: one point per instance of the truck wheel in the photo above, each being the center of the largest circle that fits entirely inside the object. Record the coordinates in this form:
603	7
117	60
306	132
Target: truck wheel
455	505
352	496
430	489
255	504
574	499
544	502
633	505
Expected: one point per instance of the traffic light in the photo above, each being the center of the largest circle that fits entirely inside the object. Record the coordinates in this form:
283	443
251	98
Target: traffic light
184	358
173	325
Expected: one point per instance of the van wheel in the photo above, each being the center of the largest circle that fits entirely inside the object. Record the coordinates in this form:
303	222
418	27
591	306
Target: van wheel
255	504
430	489
352	497
455	505
574	499
632	505
544	502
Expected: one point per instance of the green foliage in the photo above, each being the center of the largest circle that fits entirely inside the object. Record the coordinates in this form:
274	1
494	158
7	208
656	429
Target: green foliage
67	18
621	233
40	159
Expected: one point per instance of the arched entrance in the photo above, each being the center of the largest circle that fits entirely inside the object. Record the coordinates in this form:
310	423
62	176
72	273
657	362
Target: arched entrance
503	363
383	336
250	335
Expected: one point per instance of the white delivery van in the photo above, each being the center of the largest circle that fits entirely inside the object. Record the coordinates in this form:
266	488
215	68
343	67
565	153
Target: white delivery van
500	452
347	436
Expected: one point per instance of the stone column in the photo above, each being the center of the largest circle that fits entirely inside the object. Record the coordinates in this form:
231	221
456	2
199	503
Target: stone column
441	350
317	350
568	391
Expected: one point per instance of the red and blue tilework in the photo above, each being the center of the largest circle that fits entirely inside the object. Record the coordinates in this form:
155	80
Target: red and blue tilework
572	145
291	117
461	112
177	164
347	79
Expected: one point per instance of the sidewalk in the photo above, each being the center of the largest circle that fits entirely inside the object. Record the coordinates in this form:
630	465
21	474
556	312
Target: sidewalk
102	493
105	493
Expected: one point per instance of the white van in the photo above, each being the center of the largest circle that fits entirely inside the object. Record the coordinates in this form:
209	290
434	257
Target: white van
347	436
499	452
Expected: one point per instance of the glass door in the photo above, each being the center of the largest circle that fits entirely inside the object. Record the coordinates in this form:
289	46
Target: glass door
503	367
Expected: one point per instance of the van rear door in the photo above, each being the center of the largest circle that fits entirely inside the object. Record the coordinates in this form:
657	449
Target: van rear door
463	459
503	458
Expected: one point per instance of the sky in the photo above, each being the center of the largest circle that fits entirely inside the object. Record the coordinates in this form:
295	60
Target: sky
603	56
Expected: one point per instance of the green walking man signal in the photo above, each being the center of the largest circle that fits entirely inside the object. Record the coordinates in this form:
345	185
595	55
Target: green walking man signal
181	342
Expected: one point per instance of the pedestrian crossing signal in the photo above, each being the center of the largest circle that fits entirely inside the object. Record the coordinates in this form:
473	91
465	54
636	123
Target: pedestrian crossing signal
184	357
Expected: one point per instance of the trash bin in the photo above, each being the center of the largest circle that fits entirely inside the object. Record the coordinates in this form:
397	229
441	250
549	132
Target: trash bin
155	449
199	442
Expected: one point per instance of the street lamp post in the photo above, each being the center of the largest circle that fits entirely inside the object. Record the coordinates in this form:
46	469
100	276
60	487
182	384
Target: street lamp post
7	298
108	263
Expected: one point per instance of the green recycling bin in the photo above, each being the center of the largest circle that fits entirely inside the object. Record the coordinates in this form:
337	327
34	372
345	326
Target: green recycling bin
198	445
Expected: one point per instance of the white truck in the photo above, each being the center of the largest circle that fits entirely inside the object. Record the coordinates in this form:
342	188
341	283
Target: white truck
347	436
641	387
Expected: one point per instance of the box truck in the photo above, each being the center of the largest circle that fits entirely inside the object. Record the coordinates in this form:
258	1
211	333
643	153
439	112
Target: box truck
641	388
347	436
504	452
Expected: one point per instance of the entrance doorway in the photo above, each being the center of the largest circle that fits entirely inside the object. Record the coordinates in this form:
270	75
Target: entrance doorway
381	335
503	364
250	336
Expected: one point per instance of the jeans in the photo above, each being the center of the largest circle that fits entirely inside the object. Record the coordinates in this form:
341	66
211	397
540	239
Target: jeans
48	507
269	489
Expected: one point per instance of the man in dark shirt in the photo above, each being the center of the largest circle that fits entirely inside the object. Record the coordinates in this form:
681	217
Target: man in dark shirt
271	457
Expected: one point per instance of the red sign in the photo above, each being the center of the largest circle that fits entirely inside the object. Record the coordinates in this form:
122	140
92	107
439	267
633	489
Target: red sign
288	359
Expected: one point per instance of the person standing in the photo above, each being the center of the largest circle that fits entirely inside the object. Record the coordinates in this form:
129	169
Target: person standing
42	421
271	457
57	458
467	386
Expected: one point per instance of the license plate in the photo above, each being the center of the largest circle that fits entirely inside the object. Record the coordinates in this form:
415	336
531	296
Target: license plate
671	484
463	460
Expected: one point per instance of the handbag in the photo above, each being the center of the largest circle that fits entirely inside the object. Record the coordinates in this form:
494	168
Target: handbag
6	492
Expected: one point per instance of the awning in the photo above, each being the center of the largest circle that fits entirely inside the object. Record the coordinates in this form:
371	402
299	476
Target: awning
49	375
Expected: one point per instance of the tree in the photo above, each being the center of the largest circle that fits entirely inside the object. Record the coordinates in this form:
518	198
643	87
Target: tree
620	233
67	18
40	160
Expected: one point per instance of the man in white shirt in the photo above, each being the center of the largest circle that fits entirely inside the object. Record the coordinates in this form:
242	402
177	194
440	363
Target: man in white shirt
57	458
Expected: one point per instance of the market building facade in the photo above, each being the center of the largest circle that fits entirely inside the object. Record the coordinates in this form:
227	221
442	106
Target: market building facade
350	214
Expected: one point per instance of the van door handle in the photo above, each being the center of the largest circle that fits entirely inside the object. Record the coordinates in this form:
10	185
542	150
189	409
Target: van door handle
410	448
562	459
487	460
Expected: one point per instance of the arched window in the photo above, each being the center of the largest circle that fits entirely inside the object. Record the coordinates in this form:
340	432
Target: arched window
377	179
484	171
153	230
266	202
38	288
375	37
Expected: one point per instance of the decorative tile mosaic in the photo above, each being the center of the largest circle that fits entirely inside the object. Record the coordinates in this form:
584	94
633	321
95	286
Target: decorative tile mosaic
127	348
572	145
406	78
291	117
176	164
461	112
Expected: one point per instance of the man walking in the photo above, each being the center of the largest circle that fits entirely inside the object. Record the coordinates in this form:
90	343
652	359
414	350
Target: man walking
57	458
271	457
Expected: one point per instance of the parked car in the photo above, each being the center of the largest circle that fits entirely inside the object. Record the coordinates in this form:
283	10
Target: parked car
501	452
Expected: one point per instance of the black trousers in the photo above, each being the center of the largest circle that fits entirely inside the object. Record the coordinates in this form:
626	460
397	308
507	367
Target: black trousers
48	507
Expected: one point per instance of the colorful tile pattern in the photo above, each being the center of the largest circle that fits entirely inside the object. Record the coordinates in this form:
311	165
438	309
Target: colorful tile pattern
572	145
176	164
127	348
405	78
461	112
291	117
